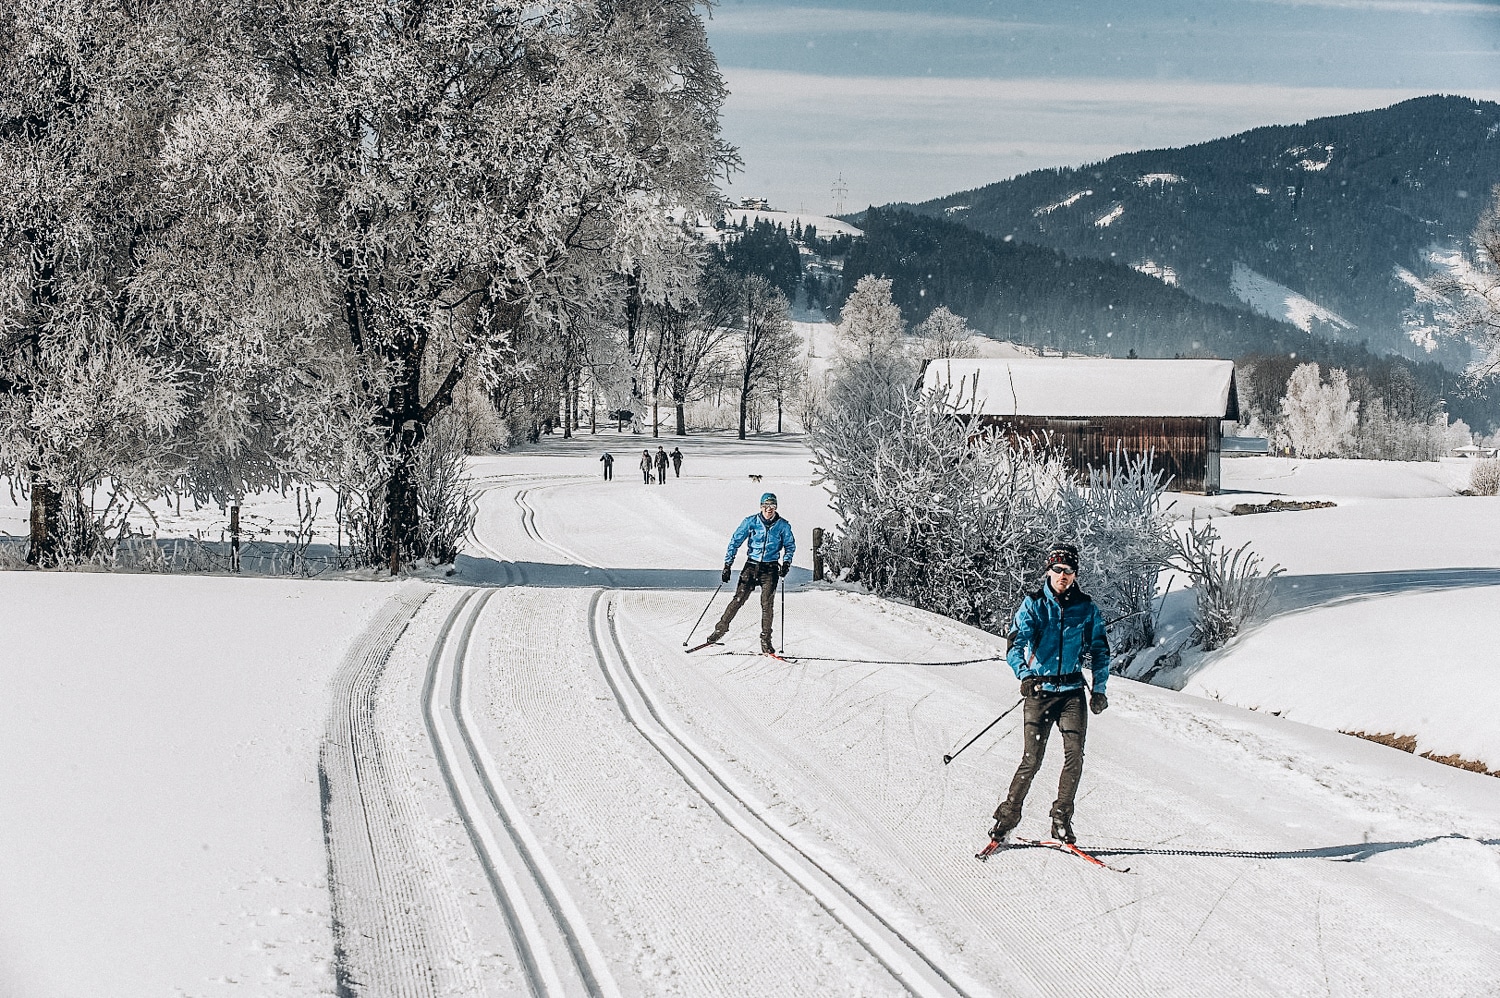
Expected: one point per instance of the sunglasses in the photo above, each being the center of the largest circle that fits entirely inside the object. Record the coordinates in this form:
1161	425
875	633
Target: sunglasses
1062	570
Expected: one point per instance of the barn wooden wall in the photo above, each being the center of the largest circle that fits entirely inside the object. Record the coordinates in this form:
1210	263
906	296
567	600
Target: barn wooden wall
1184	448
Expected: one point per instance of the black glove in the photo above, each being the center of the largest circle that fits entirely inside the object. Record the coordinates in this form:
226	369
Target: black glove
786	567
725	576
1098	703
1031	686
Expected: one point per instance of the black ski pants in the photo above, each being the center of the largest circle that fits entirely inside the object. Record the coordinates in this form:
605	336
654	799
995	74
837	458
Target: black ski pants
1070	713
755	573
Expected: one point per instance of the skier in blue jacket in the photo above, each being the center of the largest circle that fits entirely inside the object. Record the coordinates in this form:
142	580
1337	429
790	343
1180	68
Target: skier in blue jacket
767	539
1054	628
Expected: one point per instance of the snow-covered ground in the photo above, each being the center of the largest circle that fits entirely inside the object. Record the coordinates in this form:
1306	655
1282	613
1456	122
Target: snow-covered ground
514	778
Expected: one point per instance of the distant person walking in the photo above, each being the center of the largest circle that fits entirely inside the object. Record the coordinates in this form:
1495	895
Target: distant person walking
767	538
1054	628
646	466
609	466
676	462
661	466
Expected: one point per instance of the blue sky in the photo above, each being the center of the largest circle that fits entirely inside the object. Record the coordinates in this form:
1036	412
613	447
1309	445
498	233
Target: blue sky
910	101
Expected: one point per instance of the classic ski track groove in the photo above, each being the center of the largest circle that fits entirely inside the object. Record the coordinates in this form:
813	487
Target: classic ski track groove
905	962
396	931
514	863
899	956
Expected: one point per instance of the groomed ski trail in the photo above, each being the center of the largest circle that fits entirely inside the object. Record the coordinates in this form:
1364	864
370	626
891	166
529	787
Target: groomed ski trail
557	953
918	973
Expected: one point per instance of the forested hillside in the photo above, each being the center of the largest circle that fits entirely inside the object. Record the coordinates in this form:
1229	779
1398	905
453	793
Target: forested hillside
1038	296
1345	211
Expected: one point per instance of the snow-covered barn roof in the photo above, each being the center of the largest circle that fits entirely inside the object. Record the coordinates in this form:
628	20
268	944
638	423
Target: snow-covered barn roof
1065	387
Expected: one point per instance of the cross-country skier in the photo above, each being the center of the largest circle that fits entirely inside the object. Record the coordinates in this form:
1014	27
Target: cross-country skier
767	538
1054	627
609	466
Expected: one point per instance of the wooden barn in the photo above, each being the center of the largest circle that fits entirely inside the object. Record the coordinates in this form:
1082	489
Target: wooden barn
1092	408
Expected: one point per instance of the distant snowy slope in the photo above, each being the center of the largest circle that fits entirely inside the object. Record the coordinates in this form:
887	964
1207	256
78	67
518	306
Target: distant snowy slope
826	226
1277	301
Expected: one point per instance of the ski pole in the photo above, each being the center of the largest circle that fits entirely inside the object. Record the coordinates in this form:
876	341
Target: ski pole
702	615
949	758
783	614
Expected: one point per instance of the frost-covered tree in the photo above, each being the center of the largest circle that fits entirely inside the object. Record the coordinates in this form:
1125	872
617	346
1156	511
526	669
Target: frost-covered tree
686	333
945	336
870	323
1318	420
1468	298
763	329
93	368
479	169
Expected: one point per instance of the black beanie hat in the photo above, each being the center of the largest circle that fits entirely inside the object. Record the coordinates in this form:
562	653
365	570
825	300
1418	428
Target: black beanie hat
1063	554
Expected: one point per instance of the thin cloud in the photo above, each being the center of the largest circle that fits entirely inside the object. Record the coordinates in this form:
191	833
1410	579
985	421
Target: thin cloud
1395	6
913	138
834	20
885	97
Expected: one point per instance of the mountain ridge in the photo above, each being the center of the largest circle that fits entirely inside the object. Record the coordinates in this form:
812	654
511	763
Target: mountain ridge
1344	211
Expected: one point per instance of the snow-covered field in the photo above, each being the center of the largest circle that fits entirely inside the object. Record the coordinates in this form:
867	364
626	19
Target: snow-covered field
515	780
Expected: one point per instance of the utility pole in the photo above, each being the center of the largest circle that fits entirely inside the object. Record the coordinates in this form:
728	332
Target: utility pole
840	192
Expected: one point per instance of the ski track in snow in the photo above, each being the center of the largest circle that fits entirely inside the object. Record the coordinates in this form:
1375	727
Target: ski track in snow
397	929
647	823
844	755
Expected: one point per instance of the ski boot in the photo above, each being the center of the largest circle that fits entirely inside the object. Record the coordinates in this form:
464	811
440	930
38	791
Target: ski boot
1062	828
1005	824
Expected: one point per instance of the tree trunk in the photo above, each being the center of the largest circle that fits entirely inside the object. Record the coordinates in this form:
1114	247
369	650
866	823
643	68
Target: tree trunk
681	420
567	409
401	495
744	407
46	524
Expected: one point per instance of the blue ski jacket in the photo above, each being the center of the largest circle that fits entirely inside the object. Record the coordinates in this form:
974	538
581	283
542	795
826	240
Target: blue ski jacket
1052	634
763	541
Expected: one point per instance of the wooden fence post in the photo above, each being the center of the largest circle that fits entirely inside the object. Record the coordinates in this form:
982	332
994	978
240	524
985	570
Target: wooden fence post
817	554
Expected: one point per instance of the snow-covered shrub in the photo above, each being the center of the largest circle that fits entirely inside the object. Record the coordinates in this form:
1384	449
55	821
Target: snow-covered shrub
1484	479
1124	540
958	522
1232	591
932	514
445	504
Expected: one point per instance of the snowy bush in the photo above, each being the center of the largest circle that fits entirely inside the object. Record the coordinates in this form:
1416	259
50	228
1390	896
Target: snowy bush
931	515
1232	591
1484	479
1124	540
958	522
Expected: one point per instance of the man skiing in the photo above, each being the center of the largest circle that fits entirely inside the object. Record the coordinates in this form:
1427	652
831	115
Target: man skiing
1054	627
767	538
609	466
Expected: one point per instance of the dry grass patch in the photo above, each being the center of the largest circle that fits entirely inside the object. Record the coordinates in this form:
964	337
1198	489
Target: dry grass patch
1408	743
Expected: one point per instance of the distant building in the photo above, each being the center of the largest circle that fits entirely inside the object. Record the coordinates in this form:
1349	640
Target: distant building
1473	451
755	204
1091	408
